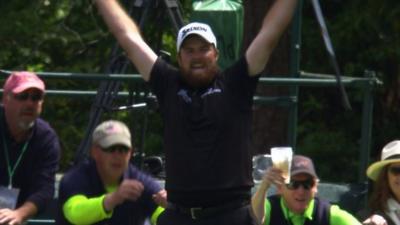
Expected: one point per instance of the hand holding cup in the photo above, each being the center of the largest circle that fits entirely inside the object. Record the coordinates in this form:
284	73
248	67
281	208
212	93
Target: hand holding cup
282	159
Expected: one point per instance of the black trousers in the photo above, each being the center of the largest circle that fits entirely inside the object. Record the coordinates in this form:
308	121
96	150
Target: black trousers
239	216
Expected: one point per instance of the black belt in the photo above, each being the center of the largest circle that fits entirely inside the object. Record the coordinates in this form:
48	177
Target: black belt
202	212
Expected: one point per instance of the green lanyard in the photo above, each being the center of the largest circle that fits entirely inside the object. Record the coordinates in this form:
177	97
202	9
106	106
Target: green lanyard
9	170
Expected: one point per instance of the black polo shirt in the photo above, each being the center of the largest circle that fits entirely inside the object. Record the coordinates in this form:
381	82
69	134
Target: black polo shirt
207	135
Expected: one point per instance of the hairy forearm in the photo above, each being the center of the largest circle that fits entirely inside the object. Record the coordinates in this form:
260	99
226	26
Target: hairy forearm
258	202
278	19
121	26
128	35
274	24
116	18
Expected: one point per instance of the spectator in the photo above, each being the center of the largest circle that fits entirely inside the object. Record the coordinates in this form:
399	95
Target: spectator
384	203
30	150
107	189
296	202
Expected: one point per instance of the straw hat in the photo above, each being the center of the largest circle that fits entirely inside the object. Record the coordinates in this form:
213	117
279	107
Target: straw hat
390	154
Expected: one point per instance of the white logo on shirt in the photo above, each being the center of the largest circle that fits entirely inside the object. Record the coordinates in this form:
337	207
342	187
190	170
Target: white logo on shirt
185	96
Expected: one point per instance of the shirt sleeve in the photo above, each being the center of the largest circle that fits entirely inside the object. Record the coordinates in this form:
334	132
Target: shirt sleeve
341	217
151	187
156	214
267	211
240	83
79	209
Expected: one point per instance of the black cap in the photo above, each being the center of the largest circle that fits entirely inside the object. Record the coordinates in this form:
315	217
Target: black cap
302	164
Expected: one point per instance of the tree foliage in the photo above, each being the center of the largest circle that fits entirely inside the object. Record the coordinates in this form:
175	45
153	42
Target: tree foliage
365	37
69	36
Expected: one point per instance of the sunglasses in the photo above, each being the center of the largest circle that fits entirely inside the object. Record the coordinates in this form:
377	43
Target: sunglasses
37	96
395	170
114	148
295	184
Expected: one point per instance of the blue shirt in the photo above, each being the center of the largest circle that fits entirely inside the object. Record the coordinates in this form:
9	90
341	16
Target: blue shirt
35	174
84	180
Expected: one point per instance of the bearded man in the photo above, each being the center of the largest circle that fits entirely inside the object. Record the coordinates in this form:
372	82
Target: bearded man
29	150
206	113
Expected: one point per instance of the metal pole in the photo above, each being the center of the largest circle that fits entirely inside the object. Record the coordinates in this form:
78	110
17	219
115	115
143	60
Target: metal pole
294	71
366	131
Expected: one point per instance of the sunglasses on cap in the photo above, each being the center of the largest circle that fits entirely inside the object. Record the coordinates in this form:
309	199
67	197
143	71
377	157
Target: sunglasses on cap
395	170
295	184
114	148
36	96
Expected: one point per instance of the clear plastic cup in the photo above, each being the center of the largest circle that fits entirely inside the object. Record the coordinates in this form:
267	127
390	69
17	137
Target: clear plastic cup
282	158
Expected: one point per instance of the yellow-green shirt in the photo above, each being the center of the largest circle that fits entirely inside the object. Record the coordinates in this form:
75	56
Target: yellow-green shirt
337	215
80	210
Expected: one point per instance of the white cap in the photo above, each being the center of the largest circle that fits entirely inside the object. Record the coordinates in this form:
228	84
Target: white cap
201	29
110	133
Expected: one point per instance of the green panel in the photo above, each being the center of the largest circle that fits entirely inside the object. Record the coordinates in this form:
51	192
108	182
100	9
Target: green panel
226	19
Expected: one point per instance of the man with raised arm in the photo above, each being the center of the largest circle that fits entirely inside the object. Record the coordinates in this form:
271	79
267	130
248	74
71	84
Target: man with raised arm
206	114
295	202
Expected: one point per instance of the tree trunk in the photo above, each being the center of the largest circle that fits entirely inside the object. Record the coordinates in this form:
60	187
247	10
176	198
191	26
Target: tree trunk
269	121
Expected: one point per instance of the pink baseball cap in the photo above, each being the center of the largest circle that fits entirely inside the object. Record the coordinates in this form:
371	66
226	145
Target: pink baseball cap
18	82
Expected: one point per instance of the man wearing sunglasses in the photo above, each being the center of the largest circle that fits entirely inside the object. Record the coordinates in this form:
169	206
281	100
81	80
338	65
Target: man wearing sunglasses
295	203
29	150
107	189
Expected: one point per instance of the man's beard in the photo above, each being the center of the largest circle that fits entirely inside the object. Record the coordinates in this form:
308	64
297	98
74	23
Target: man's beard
25	125
200	80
